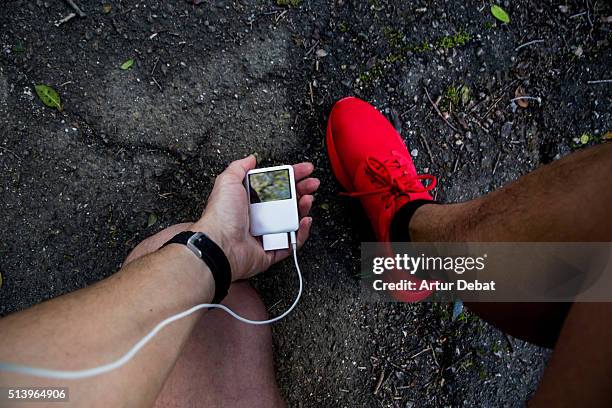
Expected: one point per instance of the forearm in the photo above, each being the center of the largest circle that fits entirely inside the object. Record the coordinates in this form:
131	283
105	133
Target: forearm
98	324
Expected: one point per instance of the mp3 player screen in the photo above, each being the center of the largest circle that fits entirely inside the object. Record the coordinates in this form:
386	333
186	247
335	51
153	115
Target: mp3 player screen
269	186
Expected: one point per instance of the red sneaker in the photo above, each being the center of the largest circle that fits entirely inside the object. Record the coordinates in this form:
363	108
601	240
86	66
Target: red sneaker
371	161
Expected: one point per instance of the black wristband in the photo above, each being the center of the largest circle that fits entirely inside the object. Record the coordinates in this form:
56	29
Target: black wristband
207	250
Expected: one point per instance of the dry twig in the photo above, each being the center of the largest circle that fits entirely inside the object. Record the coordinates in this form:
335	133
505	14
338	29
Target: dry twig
431	159
154	66
65	19
380	381
535	98
425	350
496	163
528	44
311	92
280	16
600	81
157	83
438	111
433	353
76	8
458	157
312	48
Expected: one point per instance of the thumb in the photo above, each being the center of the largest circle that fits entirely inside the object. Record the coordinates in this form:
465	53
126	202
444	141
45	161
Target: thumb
240	167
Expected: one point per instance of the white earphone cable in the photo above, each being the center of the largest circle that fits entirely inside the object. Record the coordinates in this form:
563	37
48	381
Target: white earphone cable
78	374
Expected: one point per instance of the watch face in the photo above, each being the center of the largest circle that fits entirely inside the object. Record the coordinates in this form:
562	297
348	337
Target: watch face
269	186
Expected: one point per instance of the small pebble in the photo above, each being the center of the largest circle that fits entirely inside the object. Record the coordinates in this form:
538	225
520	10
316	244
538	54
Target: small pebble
578	52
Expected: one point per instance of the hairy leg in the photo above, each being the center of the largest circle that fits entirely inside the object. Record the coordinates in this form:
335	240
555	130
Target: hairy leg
580	370
565	201
568	201
224	362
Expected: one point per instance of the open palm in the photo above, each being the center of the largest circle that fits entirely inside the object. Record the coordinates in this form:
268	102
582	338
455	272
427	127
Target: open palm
226	218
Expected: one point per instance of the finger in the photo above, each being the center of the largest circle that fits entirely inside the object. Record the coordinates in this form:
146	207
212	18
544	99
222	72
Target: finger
302	170
304	205
304	231
240	167
307	186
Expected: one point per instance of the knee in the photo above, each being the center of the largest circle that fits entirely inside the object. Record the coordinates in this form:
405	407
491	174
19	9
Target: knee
245	301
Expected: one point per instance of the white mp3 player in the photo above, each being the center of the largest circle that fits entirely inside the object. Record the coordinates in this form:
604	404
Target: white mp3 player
272	205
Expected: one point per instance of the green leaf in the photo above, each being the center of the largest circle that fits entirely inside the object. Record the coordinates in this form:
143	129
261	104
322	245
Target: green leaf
152	220
584	139
325	206
19	48
127	64
465	94
500	14
0	280
49	96
292	3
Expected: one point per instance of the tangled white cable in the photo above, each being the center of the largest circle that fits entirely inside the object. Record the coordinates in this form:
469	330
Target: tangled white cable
91	372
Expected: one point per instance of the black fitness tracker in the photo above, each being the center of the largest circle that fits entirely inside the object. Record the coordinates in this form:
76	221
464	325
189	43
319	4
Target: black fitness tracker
208	251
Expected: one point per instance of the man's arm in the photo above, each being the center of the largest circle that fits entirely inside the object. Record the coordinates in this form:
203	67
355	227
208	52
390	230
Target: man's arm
98	324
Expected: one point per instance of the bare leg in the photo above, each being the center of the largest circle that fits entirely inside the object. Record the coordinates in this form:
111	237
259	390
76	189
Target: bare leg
567	200
579	373
224	362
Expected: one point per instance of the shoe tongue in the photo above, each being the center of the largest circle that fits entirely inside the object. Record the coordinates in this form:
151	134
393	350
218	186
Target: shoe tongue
379	215
379	210
364	180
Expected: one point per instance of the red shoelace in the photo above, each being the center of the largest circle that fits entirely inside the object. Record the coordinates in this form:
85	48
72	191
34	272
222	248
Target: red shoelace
394	179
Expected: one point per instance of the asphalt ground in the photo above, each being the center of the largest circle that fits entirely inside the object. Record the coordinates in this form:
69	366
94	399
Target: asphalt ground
137	150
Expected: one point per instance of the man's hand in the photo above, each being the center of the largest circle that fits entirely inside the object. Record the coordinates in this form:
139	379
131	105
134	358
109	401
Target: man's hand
226	218
146	290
